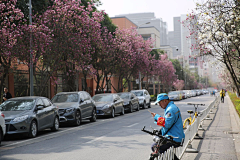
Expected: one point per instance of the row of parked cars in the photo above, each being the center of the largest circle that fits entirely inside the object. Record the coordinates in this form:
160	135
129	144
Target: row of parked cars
29	115
183	94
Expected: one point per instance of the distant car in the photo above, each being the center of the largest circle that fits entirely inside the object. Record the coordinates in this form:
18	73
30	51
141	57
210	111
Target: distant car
174	95
144	98
74	107
184	95
2	126
187	93
193	93
29	115
130	101
197	92
109	104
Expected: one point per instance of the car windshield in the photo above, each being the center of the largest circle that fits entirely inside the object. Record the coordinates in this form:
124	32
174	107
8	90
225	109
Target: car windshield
124	95
62	98
17	105
138	93
172	93
103	98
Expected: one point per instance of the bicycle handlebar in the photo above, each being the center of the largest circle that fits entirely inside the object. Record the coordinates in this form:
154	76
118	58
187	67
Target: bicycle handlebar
195	104
160	136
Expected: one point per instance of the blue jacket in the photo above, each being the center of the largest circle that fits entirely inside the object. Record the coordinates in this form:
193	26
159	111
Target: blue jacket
172	114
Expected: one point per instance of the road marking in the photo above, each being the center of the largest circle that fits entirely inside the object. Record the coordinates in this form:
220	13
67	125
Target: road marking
96	139
132	125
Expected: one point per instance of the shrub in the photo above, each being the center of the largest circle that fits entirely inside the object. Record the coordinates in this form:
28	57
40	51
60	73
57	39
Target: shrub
235	100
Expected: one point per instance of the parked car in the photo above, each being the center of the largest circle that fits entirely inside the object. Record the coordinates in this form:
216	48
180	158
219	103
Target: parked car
197	92
193	93
184	95
108	104
29	115
174	95
2	126
188	93
74	107
130	101
144	98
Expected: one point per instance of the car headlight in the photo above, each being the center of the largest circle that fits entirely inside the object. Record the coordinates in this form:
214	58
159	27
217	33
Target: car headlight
19	119
106	106
69	110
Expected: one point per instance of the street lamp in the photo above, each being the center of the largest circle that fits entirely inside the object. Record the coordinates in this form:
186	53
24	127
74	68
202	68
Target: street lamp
31	61
140	86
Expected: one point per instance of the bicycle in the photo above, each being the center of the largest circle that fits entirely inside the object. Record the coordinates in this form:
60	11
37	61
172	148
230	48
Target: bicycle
159	140
189	121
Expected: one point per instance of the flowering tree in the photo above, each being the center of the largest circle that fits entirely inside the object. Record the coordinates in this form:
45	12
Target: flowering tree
218	32
132	55
9	32
178	84
64	37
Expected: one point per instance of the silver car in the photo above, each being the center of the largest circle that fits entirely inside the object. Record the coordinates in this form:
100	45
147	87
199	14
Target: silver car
144	98
2	126
29	115
75	107
174	95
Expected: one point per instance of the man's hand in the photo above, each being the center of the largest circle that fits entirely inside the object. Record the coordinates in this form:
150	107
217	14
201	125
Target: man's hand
153	114
4	98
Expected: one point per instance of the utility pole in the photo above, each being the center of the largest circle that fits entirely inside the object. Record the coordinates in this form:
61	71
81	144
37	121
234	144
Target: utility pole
31	61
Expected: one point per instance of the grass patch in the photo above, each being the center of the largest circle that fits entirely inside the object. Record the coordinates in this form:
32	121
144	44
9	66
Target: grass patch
235	100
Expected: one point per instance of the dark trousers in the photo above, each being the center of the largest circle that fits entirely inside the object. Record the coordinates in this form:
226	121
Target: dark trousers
222	99
165	147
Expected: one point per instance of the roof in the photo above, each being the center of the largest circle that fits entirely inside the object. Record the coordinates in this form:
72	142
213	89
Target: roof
27	97
123	17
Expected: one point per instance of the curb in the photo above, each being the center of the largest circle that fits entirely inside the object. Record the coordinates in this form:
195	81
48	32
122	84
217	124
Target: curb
235	124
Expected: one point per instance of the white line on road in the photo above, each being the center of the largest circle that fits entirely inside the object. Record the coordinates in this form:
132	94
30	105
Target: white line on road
132	125
96	139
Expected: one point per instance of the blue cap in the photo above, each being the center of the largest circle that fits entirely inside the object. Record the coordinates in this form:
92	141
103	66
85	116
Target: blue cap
161	96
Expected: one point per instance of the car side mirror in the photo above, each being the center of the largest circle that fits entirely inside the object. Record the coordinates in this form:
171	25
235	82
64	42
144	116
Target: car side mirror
132	97
81	101
40	107
115	100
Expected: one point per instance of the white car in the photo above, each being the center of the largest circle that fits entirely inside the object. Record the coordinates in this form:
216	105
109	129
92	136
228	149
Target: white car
144	98
2	126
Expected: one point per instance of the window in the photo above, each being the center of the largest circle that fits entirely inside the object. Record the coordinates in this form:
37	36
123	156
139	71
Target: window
61	98
40	102
85	96
46	102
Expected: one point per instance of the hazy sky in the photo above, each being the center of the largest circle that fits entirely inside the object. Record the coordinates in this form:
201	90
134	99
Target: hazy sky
165	9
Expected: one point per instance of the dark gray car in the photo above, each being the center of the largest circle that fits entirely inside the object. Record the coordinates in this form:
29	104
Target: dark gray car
75	106
108	104
29	115
130	101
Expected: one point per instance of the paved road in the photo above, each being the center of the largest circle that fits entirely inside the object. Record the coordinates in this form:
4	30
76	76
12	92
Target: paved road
120	138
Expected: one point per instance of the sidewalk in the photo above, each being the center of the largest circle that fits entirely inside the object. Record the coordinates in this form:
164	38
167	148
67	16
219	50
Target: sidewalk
221	135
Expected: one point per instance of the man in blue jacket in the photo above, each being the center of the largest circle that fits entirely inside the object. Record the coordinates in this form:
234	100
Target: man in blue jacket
171	122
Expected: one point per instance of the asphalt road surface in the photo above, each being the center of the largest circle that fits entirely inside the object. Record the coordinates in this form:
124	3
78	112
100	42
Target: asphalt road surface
118	138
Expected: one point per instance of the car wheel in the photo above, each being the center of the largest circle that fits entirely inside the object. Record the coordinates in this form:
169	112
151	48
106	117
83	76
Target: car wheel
77	118
138	107
123	112
55	124
149	106
131	108
94	116
145	105
33	129
113	113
